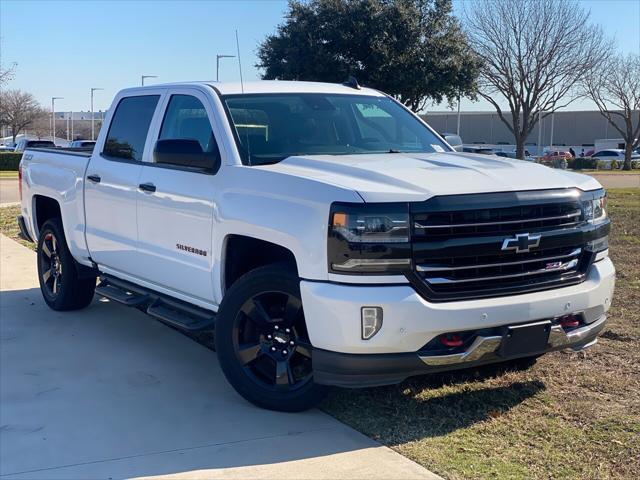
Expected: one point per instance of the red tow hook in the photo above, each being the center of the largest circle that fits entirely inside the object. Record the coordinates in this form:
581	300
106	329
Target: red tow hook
570	321
451	340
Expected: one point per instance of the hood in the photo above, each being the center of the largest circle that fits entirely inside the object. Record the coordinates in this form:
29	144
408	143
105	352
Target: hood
401	177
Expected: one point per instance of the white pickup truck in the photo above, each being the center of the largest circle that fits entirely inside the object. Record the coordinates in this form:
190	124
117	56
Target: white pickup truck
326	233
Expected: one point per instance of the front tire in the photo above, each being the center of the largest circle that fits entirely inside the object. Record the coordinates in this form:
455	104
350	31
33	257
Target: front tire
262	341
61	286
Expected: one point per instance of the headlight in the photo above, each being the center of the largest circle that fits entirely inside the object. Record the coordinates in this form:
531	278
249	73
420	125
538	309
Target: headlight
369	238
595	209
359	227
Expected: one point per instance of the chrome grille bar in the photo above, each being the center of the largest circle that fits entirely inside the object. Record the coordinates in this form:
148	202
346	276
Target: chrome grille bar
432	268
568	216
561	268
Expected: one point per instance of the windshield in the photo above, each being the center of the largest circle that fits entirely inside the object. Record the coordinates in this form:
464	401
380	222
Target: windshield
272	127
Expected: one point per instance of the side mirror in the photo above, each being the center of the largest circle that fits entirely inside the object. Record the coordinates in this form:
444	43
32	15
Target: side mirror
186	153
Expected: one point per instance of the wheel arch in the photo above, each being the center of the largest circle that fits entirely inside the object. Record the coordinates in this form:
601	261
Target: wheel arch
243	253
44	208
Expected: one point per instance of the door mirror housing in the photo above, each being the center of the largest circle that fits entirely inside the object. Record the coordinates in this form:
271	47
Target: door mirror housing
184	152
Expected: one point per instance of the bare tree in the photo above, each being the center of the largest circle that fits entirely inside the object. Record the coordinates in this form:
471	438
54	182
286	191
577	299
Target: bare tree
535	52
18	110
616	92
41	127
7	74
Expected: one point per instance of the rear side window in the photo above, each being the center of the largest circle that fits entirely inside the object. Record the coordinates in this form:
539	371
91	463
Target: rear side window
129	127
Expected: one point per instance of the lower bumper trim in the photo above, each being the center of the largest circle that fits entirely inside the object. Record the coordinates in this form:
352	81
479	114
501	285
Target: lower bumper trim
368	370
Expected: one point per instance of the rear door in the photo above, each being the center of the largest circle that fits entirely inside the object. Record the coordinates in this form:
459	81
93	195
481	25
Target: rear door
176	204
111	184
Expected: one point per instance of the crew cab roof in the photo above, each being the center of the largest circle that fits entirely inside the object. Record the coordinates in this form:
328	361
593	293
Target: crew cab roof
270	86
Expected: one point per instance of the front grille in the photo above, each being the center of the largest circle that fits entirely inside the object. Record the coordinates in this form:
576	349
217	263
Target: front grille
467	246
493	221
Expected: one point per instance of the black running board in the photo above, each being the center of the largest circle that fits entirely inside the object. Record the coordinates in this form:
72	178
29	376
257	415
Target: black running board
166	309
121	295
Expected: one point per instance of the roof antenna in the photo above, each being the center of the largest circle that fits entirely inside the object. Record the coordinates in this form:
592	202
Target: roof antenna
239	61
352	82
242	90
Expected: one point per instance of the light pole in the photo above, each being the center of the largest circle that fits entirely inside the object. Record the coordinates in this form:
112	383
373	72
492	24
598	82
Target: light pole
93	134
539	131
147	76
458	127
553	115
218	57
53	118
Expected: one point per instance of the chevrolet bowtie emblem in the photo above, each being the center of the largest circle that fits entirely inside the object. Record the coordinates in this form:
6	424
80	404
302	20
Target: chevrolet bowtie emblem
522	242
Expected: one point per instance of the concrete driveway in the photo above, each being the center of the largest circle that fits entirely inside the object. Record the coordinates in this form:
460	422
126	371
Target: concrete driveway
108	392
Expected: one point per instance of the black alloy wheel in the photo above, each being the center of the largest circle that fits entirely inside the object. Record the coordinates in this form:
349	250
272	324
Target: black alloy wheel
262	341
271	342
63	286
51	265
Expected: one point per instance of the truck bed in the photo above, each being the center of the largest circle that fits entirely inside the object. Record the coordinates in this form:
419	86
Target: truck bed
81	152
57	173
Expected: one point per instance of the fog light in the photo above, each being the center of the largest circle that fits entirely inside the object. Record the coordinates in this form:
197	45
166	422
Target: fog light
371	318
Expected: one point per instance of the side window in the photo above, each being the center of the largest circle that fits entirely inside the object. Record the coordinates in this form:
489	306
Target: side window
186	119
129	127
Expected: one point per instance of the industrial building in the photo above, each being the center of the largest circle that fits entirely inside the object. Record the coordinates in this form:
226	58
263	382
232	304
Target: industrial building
577	128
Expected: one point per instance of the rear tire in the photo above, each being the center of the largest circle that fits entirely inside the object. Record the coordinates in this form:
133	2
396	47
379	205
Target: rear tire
262	341
60	283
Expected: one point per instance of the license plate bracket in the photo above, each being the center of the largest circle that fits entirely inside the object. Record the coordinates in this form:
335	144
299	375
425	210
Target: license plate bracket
525	339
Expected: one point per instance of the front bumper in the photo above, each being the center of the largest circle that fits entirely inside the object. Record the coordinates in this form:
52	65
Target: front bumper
342	357
353	370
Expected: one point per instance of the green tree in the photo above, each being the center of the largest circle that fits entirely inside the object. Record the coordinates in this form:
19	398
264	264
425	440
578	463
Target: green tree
411	49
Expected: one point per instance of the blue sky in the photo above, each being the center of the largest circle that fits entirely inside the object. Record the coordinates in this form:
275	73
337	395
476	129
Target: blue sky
63	48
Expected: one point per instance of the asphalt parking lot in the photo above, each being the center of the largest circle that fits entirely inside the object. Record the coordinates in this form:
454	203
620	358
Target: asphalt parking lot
108	392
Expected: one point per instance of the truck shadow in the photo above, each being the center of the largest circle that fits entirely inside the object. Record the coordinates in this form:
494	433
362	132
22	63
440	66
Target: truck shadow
431	406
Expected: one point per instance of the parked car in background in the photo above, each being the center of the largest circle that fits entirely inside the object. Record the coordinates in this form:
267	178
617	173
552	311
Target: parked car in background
556	159
23	144
6	148
551	155
326	233
479	150
82	144
513	154
454	140
617	154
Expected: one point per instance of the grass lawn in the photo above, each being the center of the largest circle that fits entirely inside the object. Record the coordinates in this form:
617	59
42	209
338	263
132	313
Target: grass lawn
572	415
9	225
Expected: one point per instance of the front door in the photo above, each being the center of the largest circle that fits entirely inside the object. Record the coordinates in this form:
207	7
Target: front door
111	185
176	204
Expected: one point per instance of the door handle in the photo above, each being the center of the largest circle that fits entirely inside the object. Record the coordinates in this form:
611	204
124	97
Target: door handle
147	187
94	178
